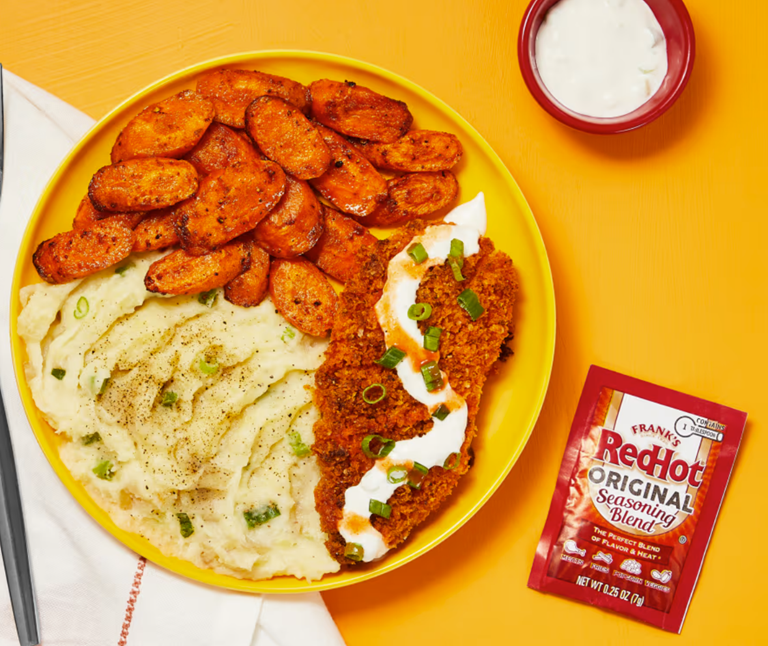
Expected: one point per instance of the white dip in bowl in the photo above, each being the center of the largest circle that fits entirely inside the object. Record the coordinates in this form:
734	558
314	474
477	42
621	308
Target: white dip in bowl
601	58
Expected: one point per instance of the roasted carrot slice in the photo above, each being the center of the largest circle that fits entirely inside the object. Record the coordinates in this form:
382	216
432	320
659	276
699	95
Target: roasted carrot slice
358	111
221	147
412	196
230	202
294	225
142	184
336	251
303	295
250	287
418	151
156	231
86	215
287	137
81	252
170	128
232	91
351	183
180	273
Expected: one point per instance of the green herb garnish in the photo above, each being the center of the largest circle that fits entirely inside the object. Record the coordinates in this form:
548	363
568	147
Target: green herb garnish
354	551
417	475
418	253
432	339
185	525
452	461
262	515
455	268
379	393
391	357
433	379
208	368
208	298
169	398
385	447
104	470
397	474
297	444
82	307
289	333
91	439
471	303
419	311
442	412
379	508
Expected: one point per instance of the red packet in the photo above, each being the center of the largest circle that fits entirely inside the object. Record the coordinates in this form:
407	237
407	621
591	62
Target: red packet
639	490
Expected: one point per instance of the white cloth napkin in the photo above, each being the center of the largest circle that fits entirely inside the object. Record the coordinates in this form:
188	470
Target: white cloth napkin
91	590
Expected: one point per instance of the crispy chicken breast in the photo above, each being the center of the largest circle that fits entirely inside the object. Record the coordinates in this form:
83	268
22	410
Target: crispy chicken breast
469	350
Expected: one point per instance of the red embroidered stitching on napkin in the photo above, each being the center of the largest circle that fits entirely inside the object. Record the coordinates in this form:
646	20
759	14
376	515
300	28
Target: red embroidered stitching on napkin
135	589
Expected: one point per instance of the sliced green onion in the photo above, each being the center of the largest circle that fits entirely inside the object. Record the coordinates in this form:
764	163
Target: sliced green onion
456	258
208	298
456	268
102	386
374	399
379	508
354	551
430	371
457	251
90	439
397	474
452	461
185	525
262	515
442	412
431	374
419	311
417	475
104	470
82	307
297	444
121	270
289	333
418	253
169	398
432	339
471	303
391	358
384	450
58	373
208	368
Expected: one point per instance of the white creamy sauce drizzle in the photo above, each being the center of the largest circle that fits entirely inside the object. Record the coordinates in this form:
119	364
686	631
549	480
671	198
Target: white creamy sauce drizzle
467	223
601	58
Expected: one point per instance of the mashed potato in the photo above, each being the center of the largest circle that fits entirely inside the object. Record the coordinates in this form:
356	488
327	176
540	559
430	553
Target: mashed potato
187	422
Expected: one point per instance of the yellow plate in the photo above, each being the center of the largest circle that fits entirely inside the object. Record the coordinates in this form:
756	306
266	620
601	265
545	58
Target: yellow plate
512	399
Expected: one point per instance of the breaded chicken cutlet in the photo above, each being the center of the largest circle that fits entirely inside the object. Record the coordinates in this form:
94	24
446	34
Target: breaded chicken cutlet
468	352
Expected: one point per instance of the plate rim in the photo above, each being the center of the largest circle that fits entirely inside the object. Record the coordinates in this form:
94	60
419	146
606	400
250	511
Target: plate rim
141	545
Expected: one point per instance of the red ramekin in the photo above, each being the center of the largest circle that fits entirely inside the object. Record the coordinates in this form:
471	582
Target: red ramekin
681	50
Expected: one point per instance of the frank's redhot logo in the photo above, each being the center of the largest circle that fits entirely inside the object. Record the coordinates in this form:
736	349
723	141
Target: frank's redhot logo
642	490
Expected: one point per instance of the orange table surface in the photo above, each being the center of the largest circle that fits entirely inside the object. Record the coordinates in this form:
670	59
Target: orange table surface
658	241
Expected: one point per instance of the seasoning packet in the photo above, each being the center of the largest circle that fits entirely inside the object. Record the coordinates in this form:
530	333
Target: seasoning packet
639	490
